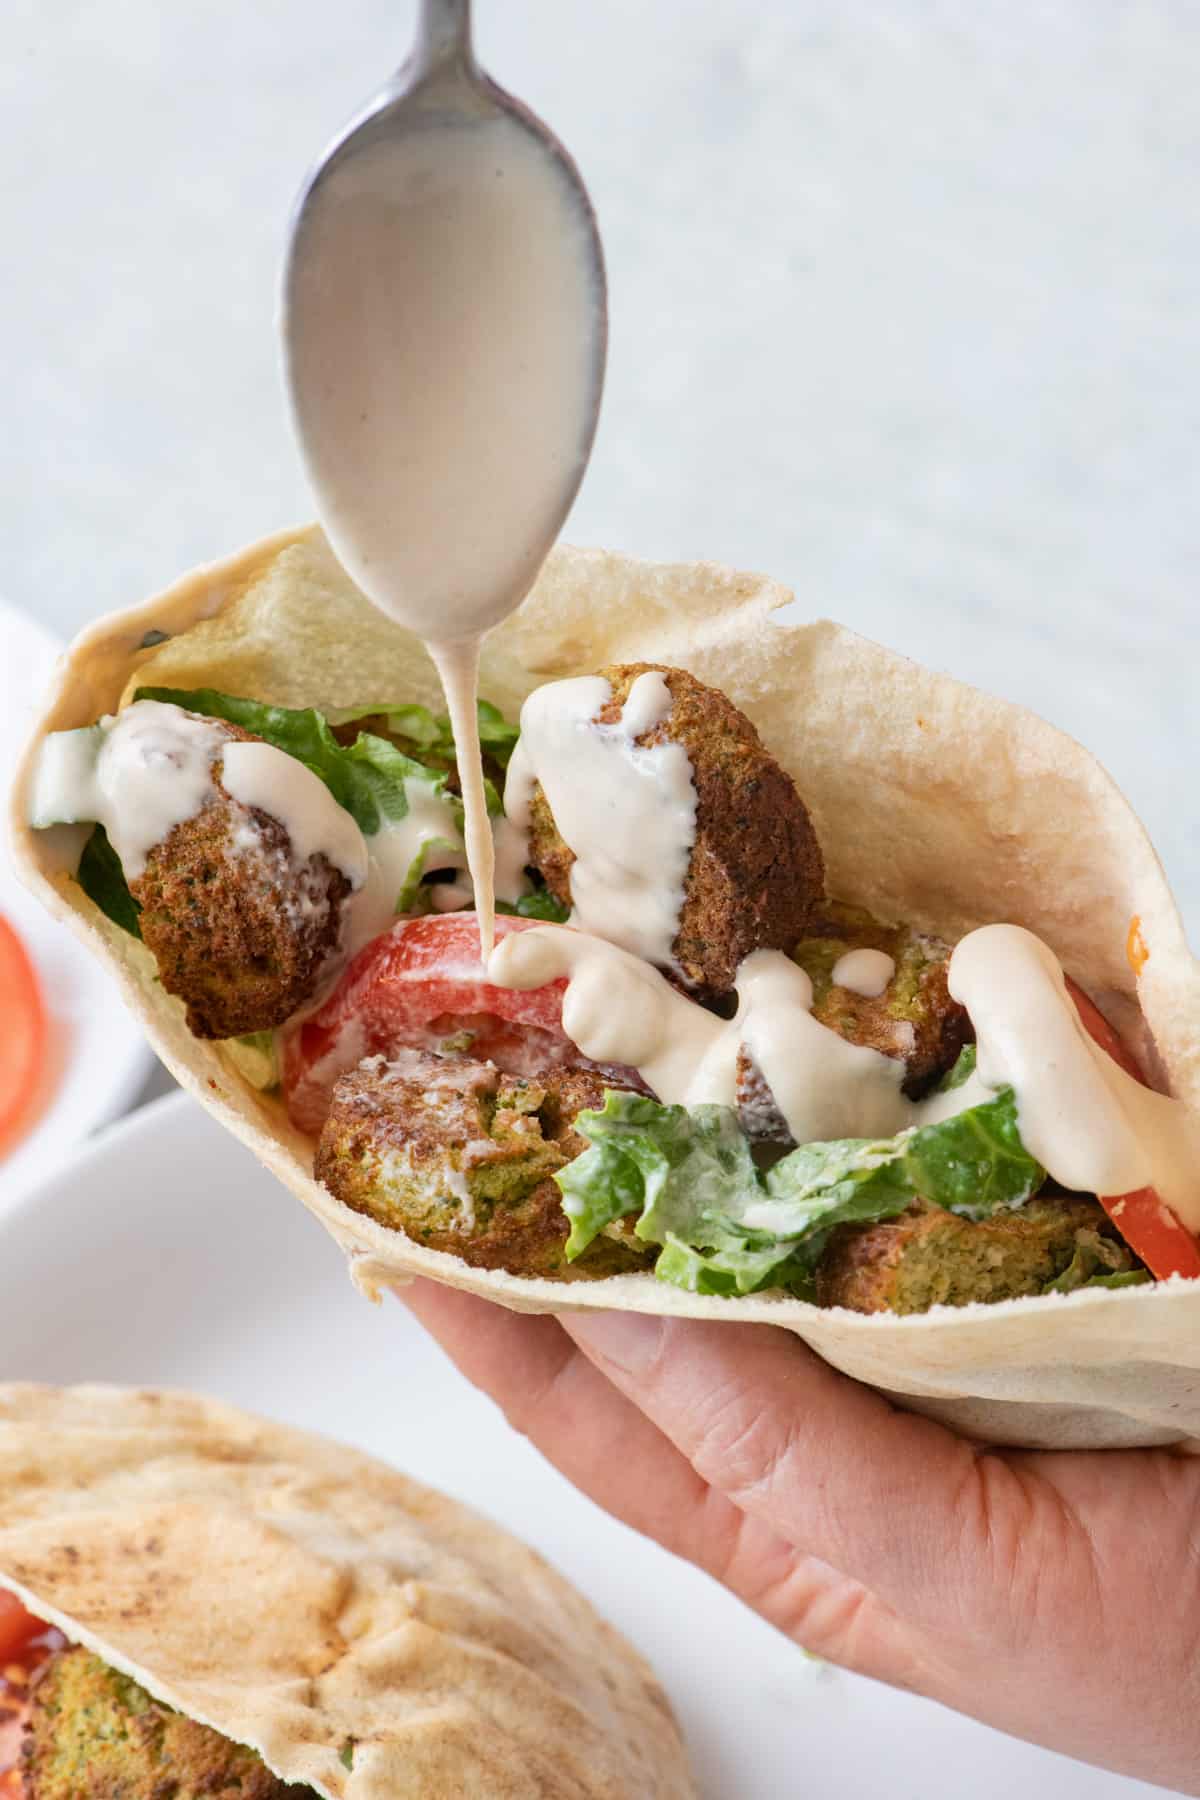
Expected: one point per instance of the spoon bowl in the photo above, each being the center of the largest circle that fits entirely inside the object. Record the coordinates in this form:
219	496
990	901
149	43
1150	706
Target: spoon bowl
445	332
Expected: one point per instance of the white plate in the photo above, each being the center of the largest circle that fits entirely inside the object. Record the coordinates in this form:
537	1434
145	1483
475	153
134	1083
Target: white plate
165	1254
98	1057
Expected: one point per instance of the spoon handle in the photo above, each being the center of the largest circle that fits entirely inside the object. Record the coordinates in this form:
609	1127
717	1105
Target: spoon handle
443	34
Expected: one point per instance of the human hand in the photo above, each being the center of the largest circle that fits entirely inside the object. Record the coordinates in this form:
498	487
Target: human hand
1054	1595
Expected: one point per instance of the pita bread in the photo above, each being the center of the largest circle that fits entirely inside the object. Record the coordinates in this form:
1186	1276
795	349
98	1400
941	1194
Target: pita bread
934	803
301	1598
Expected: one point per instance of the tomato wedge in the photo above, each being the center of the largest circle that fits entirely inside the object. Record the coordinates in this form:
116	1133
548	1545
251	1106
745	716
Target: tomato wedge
25	1643
1146	1223
23	1037
421	985
17	1627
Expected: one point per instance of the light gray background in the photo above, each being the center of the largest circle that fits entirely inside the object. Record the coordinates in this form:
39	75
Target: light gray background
904	311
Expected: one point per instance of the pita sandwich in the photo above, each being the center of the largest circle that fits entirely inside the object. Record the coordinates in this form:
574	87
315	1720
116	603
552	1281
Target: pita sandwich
327	1625
932	803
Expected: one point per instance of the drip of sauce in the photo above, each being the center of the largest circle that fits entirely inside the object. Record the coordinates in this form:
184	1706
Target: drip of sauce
458	666
865	972
259	775
627	810
824	1086
617	1009
1091	1125
1088	1122
446	348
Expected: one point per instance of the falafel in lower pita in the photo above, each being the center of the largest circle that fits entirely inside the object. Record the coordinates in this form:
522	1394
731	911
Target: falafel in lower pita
257	1610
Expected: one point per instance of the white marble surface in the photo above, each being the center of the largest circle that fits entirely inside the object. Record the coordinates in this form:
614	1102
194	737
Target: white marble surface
903	294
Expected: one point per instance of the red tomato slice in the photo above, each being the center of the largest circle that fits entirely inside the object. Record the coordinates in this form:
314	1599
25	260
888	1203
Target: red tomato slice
1146	1223
417	986
17	1627
23	1038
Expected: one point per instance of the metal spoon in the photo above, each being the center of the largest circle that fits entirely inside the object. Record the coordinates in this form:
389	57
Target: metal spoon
445	330
357	298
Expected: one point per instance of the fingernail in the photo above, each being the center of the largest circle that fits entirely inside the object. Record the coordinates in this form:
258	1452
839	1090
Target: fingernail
630	1341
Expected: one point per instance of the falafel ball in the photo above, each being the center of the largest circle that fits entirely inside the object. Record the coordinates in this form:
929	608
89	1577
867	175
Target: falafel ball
756	873
94	1734
913	1020
461	1158
928	1257
240	929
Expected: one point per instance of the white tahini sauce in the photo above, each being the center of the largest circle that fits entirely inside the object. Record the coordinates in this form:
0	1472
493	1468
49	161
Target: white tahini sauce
139	774
391	853
824	1086
627	810
445	351
257	774
617	1009
865	972
1093	1127
144	770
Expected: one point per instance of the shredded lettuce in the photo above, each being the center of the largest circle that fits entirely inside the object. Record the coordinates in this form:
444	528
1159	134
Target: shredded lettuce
367	777
1096	1263
430	733
725	1228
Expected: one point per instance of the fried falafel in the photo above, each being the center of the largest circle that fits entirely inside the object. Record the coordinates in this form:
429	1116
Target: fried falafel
756	873
95	1734
929	1257
461	1158
239	927
914	1019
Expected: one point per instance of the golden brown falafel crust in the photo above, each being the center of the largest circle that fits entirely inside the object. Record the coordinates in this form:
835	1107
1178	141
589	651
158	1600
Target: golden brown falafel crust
461	1158
929	1257
756	871
94	1734
239	935
914	1019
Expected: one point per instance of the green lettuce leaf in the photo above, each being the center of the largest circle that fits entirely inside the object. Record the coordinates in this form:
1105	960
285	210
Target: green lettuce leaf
433	853
725	1228
539	905
962	1071
367	777
430	732
1097	1262
102	879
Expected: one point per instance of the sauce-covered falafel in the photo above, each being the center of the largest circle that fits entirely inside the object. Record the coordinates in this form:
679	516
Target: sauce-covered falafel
240	926
461	1158
755	874
93	1732
911	1018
